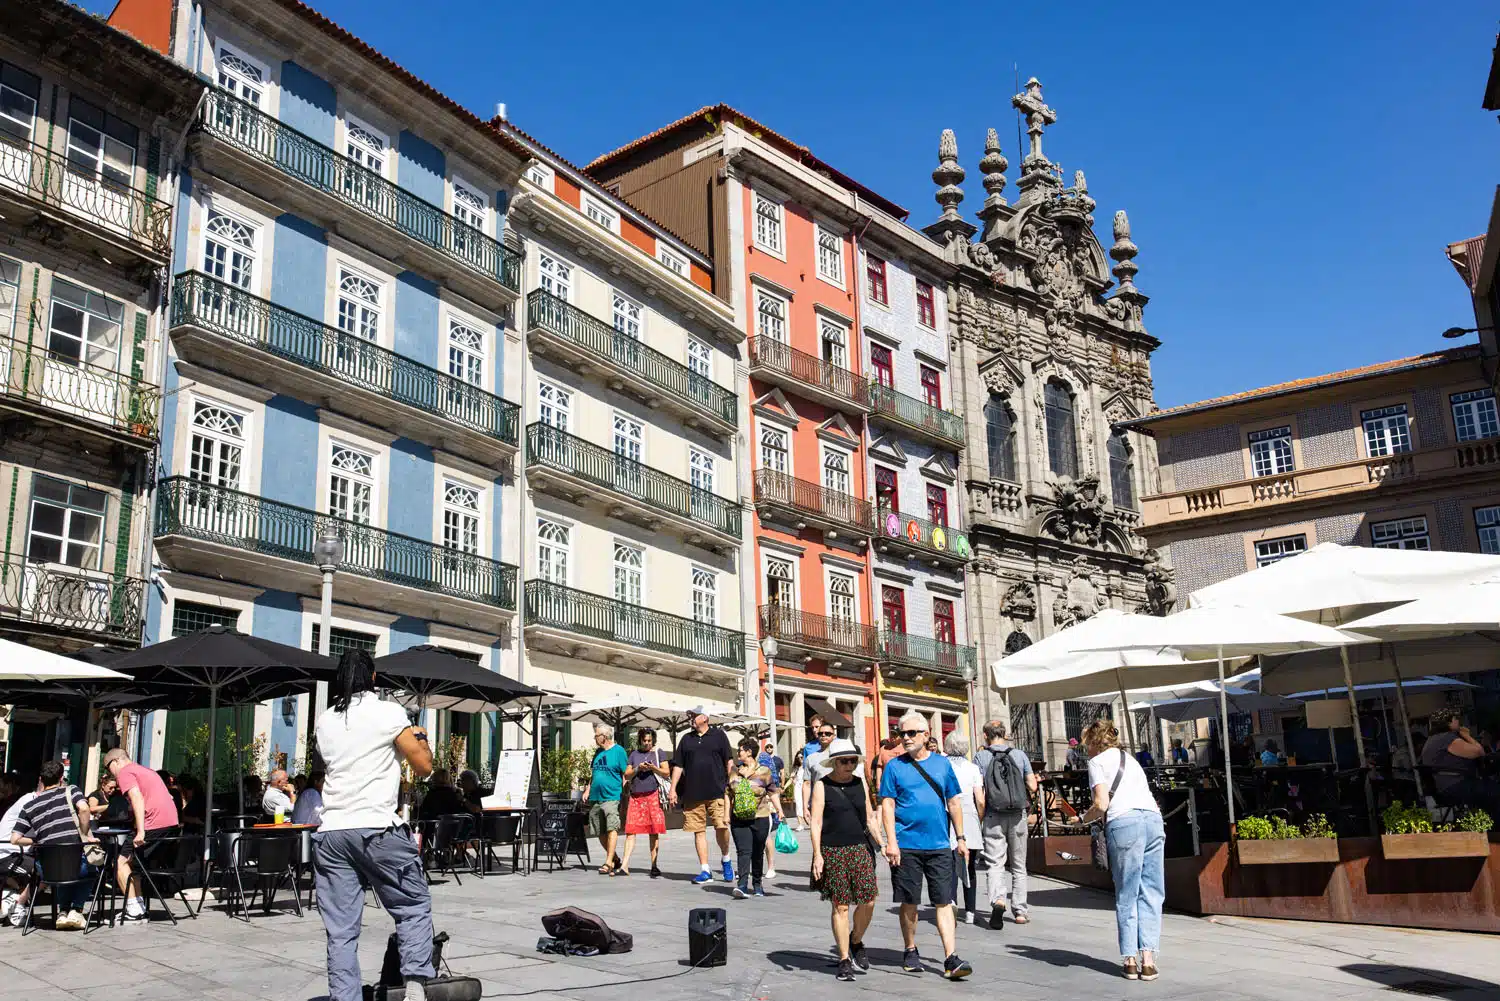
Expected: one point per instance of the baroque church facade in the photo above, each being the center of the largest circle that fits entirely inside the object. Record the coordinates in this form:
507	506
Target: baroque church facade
1049	353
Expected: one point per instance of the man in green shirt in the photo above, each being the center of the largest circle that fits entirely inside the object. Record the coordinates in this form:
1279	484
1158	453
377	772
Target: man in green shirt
610	762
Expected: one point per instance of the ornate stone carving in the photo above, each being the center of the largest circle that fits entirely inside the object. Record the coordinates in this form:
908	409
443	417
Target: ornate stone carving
1019	602
947	176
1161	592
1080	598
1035	168
1078	513
982	258
998	378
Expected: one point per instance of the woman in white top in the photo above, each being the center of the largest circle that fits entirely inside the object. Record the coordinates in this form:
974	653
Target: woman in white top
1133	830
971	781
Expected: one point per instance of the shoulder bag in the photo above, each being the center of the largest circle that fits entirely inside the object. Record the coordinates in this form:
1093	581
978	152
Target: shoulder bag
1099	843
93	852
943	800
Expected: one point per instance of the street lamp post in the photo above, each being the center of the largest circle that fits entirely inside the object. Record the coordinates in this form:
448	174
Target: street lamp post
328	553
768	646
970	673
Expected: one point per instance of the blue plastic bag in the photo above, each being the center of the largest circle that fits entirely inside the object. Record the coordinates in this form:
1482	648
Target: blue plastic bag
786	840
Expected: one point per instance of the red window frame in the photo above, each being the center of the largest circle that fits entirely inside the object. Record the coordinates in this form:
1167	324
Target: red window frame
942	621
880	361
926	305
932	387
937	504
893	608
875	274
887	485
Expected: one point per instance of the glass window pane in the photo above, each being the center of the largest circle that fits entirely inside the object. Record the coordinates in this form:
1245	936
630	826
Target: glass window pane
44	549
48	519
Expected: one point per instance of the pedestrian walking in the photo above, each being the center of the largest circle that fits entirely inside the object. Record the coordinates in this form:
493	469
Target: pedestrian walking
606	785
643	813
701	768
919	799
1133	831
813	756
1009	784
753	801
801	824
844	840
362	840
772	760
971	782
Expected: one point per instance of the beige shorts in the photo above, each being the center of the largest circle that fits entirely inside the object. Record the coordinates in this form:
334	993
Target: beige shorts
700	816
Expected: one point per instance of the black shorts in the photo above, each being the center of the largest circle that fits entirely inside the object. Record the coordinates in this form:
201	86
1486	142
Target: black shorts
936	867
127	845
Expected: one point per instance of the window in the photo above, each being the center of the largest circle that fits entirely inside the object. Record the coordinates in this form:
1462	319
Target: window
555	276
841	597
887	496
1121	471
599	214
1000	436
1272	550
937	505
834	339
1271	452
1487	524
880	361
773	449
100	146
1474	414
194	616
628	437
942	621
552	543
1386	430
701	470
627	317
465	353
672	262
1062	442
19	92
932	387
768	223
830	256
365	147
469	206
875	279
770	313
460	517
554	405
705	596
67	523
836	470
893	609
351	484
83	327
628	562
10	290
241	77
340	640
539	175
700	358
359	306
1402	533
218	445
229	250
926	305
780	583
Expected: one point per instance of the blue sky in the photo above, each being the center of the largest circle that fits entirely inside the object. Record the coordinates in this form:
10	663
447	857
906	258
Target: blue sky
1293	171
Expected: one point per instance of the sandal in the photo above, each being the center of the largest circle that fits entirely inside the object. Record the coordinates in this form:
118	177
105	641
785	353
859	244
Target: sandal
1021	919
606	870
1131	970
622	871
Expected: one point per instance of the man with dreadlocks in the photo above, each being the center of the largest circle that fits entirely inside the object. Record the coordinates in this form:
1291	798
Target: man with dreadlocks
362	839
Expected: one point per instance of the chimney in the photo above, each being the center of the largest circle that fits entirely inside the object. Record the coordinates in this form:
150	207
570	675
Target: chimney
500	111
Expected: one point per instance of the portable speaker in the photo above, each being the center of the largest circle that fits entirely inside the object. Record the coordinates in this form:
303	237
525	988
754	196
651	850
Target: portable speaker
708	939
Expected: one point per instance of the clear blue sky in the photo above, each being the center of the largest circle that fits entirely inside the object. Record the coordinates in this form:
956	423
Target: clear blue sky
1293	171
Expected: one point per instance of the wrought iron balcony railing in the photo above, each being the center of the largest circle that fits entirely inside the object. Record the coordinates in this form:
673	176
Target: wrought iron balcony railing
561	318
927	654
561	607
81	190
228	517
921	536
559	450
810	370
236	314
66	599
839	637
919	415
829	506
75	388
246	127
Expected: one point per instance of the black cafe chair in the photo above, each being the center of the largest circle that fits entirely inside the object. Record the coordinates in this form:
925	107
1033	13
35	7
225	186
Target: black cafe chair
167	867
52	860
276	860
449	848
232	862
500	830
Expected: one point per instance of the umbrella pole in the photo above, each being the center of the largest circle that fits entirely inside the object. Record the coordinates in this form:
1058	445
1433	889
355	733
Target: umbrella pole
208	813
1359	738
1155	730
1224	738
1333	748
1411	747
1125	709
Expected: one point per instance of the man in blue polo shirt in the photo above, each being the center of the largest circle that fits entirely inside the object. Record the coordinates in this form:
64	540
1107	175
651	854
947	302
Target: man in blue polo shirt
919	798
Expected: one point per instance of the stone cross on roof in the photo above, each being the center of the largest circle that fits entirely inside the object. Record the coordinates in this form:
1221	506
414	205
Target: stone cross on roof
1038	117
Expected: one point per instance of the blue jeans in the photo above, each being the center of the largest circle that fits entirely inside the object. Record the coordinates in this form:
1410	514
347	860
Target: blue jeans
73	896
1136	851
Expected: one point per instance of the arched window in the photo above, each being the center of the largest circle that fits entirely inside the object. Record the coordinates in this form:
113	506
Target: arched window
1121	471
1000	434
1062	437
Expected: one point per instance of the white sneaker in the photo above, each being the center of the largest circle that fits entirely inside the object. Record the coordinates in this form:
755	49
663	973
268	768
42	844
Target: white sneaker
7	904
770	874
416	990
71	921
968	917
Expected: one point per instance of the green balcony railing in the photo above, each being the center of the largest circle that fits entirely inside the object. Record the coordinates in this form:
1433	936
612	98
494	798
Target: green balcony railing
675	380
234	313
561	607
228	517
71	386
71	600
246	127
81	189
917	414
825	634
566	453
921	535
927	654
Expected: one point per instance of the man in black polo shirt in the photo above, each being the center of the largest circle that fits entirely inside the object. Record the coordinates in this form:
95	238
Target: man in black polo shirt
701	765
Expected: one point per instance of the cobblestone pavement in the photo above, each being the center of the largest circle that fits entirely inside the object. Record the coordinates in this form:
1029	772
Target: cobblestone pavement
779	948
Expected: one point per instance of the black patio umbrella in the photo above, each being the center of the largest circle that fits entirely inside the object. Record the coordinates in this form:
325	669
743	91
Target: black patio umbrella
433	678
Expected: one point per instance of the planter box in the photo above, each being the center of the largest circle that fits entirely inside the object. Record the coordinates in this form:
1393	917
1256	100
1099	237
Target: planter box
1054	846
1288	851
1451	844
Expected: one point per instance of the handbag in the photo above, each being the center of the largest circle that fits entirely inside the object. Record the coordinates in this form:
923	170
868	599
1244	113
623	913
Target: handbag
1098	835
93	852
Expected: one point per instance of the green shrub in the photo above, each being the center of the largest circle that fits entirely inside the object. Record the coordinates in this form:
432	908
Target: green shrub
1476	820
1317	826
1399	818
1282	831
1254	829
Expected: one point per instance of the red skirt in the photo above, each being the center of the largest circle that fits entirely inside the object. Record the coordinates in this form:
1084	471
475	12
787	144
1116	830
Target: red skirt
644	815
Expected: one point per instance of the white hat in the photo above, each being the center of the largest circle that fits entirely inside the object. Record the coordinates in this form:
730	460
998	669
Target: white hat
841	748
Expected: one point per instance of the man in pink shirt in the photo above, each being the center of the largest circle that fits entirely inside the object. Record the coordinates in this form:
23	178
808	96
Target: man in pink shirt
155	817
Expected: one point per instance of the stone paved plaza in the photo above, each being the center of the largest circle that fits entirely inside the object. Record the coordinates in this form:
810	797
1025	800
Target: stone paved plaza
779	949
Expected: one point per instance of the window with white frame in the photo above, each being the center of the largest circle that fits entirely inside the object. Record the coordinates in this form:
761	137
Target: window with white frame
770	316
834	340
700	358
555	276
1487	524
629	562
465	352
240	77
841	597
1272	550
836	470
774	448
19	93
830	256
553	544
100	145
629	436
229	250
780	583
10	292
217	448
460	516
705	596
1271	451
83	328
1400	533
597	212
701	469
1474	415
554	405
67	523
351	484
671	261
769	224
359	305
540	175
469	206
627	317
1387	430
365	146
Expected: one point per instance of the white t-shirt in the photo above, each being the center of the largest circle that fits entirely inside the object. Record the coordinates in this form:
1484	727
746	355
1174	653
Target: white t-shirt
362	769
969	778
1134	792
8	824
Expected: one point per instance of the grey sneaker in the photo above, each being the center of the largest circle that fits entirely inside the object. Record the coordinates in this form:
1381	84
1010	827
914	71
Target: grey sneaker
416	989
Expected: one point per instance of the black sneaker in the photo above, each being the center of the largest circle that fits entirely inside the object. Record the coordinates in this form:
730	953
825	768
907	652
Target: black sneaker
955	968
997	919
911	962
860	957
846	970
655	872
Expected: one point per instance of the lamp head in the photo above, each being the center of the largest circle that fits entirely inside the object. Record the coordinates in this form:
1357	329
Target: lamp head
328	550
769	646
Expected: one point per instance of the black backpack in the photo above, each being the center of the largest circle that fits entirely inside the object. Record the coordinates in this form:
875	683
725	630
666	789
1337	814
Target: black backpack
1004	784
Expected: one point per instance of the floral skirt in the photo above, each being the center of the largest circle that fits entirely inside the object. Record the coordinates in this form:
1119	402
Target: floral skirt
848	874
644	815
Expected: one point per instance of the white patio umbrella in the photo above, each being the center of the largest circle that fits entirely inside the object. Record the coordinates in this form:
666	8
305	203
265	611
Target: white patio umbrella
19	662
1453	611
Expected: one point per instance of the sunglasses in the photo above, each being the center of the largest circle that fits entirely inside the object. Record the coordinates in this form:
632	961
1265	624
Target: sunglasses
911	733
846	761
828	733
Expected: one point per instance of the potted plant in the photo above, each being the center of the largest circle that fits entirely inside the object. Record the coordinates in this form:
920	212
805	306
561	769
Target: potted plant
557	771
1268	841
1410	834
583	770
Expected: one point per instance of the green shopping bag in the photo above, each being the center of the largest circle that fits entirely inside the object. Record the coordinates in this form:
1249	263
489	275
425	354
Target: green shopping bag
786	840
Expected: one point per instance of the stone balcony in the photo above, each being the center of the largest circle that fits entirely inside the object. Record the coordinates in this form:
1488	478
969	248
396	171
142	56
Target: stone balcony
96	402
915	658
807	636
900	535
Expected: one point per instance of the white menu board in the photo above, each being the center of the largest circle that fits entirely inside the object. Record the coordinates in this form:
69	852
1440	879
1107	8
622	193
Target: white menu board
512	780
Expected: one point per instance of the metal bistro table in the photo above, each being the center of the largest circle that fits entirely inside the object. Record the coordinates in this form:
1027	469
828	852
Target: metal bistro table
111	839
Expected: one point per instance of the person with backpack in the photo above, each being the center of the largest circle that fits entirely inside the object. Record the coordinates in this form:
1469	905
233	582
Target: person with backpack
1009	784
753	795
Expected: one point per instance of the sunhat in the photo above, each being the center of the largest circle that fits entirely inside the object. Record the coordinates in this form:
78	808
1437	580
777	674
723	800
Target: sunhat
842	748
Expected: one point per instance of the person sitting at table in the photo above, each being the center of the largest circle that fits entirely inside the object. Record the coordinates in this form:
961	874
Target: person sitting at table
468	788
1078	758
15	865
1453	756
100	797
1242	752
441	799
170	781
193	802
1179	753
1270	757
153	814
1145	757
252	790
309	808
59	815
279	796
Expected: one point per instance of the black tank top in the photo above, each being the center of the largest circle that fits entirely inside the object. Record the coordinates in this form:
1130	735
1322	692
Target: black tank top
843	813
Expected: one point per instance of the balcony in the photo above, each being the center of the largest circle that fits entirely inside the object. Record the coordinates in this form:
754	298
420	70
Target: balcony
565	333
238	141
917	417
222	327
206	529
907	535
807	505
818	637
57	201
63	601
565	465
97	401
917	657
583	626
808	375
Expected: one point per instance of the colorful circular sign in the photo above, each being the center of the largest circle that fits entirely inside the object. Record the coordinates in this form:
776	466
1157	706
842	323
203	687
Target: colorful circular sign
892	525
961	544
913	531
939	538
